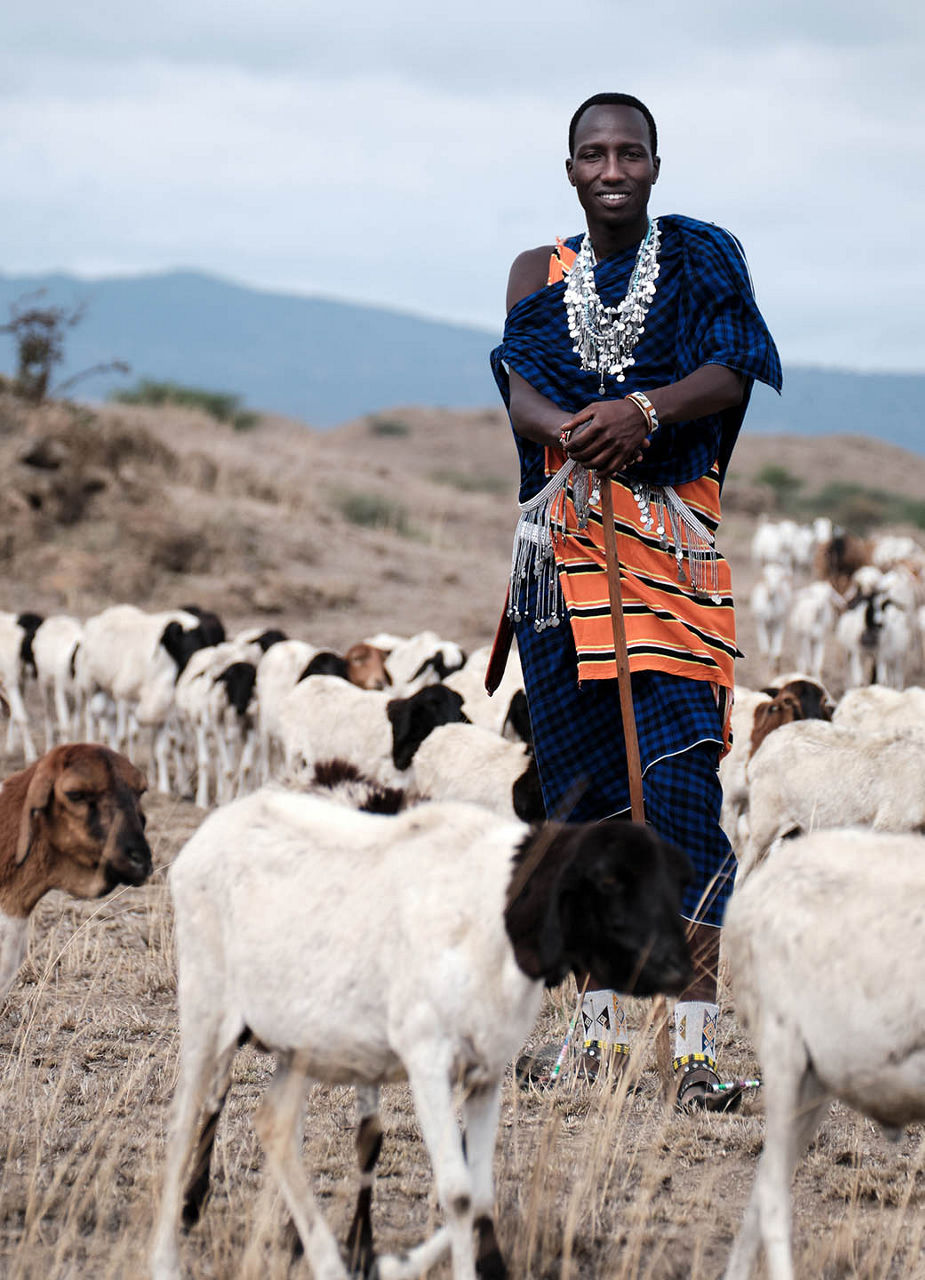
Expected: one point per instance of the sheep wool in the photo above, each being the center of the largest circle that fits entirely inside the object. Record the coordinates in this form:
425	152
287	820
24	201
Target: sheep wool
604	1020
695	1031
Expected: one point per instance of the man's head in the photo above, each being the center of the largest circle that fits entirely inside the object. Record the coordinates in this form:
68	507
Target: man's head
613	165
614	100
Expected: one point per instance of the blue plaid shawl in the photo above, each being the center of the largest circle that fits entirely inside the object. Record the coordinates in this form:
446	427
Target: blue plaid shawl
703	312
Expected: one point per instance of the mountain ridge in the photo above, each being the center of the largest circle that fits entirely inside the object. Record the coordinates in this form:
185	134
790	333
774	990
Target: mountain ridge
326	361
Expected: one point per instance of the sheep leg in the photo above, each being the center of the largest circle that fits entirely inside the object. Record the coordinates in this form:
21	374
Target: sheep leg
481	1108
48	717
19	723
794	1100
246	764
277	1125
429	1077
203	766
204	1076
62	710
360	1250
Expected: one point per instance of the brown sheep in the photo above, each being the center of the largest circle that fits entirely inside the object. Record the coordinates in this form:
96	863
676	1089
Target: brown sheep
71	821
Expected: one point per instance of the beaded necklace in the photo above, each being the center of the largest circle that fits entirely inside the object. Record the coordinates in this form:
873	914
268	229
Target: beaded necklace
604	337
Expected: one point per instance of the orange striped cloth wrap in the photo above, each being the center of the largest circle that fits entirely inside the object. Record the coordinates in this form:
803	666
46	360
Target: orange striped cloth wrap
671	624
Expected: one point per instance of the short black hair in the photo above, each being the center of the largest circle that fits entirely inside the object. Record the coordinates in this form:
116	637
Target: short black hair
614	100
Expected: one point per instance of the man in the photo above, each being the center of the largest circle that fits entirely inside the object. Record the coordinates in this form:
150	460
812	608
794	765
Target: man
629	352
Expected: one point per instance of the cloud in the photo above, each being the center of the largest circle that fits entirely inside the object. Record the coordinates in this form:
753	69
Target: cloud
405	159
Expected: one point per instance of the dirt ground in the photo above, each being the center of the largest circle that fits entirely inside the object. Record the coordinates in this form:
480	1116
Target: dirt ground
163	508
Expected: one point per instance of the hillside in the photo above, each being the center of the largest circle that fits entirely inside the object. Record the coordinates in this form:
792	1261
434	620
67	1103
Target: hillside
326	362
396	522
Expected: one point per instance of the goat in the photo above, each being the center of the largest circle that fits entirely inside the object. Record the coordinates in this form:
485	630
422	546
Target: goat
465	916
811	775
70	821
830	1013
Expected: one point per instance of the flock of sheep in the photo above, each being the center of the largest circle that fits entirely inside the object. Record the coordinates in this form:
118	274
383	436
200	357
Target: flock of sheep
868	596
371	897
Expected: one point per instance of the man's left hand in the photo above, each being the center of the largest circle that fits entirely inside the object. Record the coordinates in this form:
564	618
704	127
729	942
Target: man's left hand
607	436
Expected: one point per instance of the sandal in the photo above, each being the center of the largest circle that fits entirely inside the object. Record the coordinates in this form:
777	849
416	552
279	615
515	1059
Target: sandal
698	1087
535	1069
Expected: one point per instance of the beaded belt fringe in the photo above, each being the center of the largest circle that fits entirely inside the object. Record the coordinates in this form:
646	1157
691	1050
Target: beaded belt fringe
542	520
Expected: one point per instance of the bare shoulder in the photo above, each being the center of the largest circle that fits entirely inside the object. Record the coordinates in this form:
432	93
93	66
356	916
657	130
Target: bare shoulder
529	272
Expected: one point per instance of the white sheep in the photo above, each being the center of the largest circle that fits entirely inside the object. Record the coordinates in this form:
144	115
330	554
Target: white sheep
16	665
874	708
362	949
215	716
770	604
813	939
487	711
326	718
732	767
464	762
278	673
135	658
422	659
54	648
812	774
813	614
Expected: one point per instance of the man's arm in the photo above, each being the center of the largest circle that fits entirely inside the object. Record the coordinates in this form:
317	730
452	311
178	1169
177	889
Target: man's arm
608	435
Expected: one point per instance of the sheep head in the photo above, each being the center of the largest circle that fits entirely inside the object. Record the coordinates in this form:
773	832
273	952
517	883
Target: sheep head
81	820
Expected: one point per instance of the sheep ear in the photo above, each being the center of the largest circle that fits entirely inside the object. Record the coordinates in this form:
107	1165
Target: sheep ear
38	797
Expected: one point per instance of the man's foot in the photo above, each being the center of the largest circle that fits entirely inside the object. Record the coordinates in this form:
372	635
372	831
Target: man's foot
697	1091
536	1069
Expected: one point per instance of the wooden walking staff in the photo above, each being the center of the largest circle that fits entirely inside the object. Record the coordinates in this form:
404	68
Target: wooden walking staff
631	740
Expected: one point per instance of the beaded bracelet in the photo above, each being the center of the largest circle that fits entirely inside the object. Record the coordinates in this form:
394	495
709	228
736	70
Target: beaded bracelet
645	405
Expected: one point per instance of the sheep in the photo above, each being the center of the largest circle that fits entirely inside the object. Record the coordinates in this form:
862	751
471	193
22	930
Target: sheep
213	700
491	711
135	657
72	821
770	602
326	718
813	615
772	543
875	708
54	647
840	557
464	762
811	775
17	663
465	915
830	1013
421	660
363	665
278	673
755	714
858	634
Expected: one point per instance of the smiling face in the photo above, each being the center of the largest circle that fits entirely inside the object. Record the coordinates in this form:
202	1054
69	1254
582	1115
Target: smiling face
613	171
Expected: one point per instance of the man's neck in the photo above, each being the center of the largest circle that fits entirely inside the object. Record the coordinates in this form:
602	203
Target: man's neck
607	241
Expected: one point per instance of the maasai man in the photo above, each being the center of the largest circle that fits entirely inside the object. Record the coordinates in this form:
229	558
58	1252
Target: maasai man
629	352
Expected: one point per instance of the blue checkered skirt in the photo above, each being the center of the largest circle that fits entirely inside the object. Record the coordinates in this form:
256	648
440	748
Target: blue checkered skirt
581	757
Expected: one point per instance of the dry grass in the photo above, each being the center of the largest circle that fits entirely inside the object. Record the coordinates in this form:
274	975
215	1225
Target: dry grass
590	1184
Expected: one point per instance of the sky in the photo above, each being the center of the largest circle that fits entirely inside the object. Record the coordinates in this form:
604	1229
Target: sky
403	154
